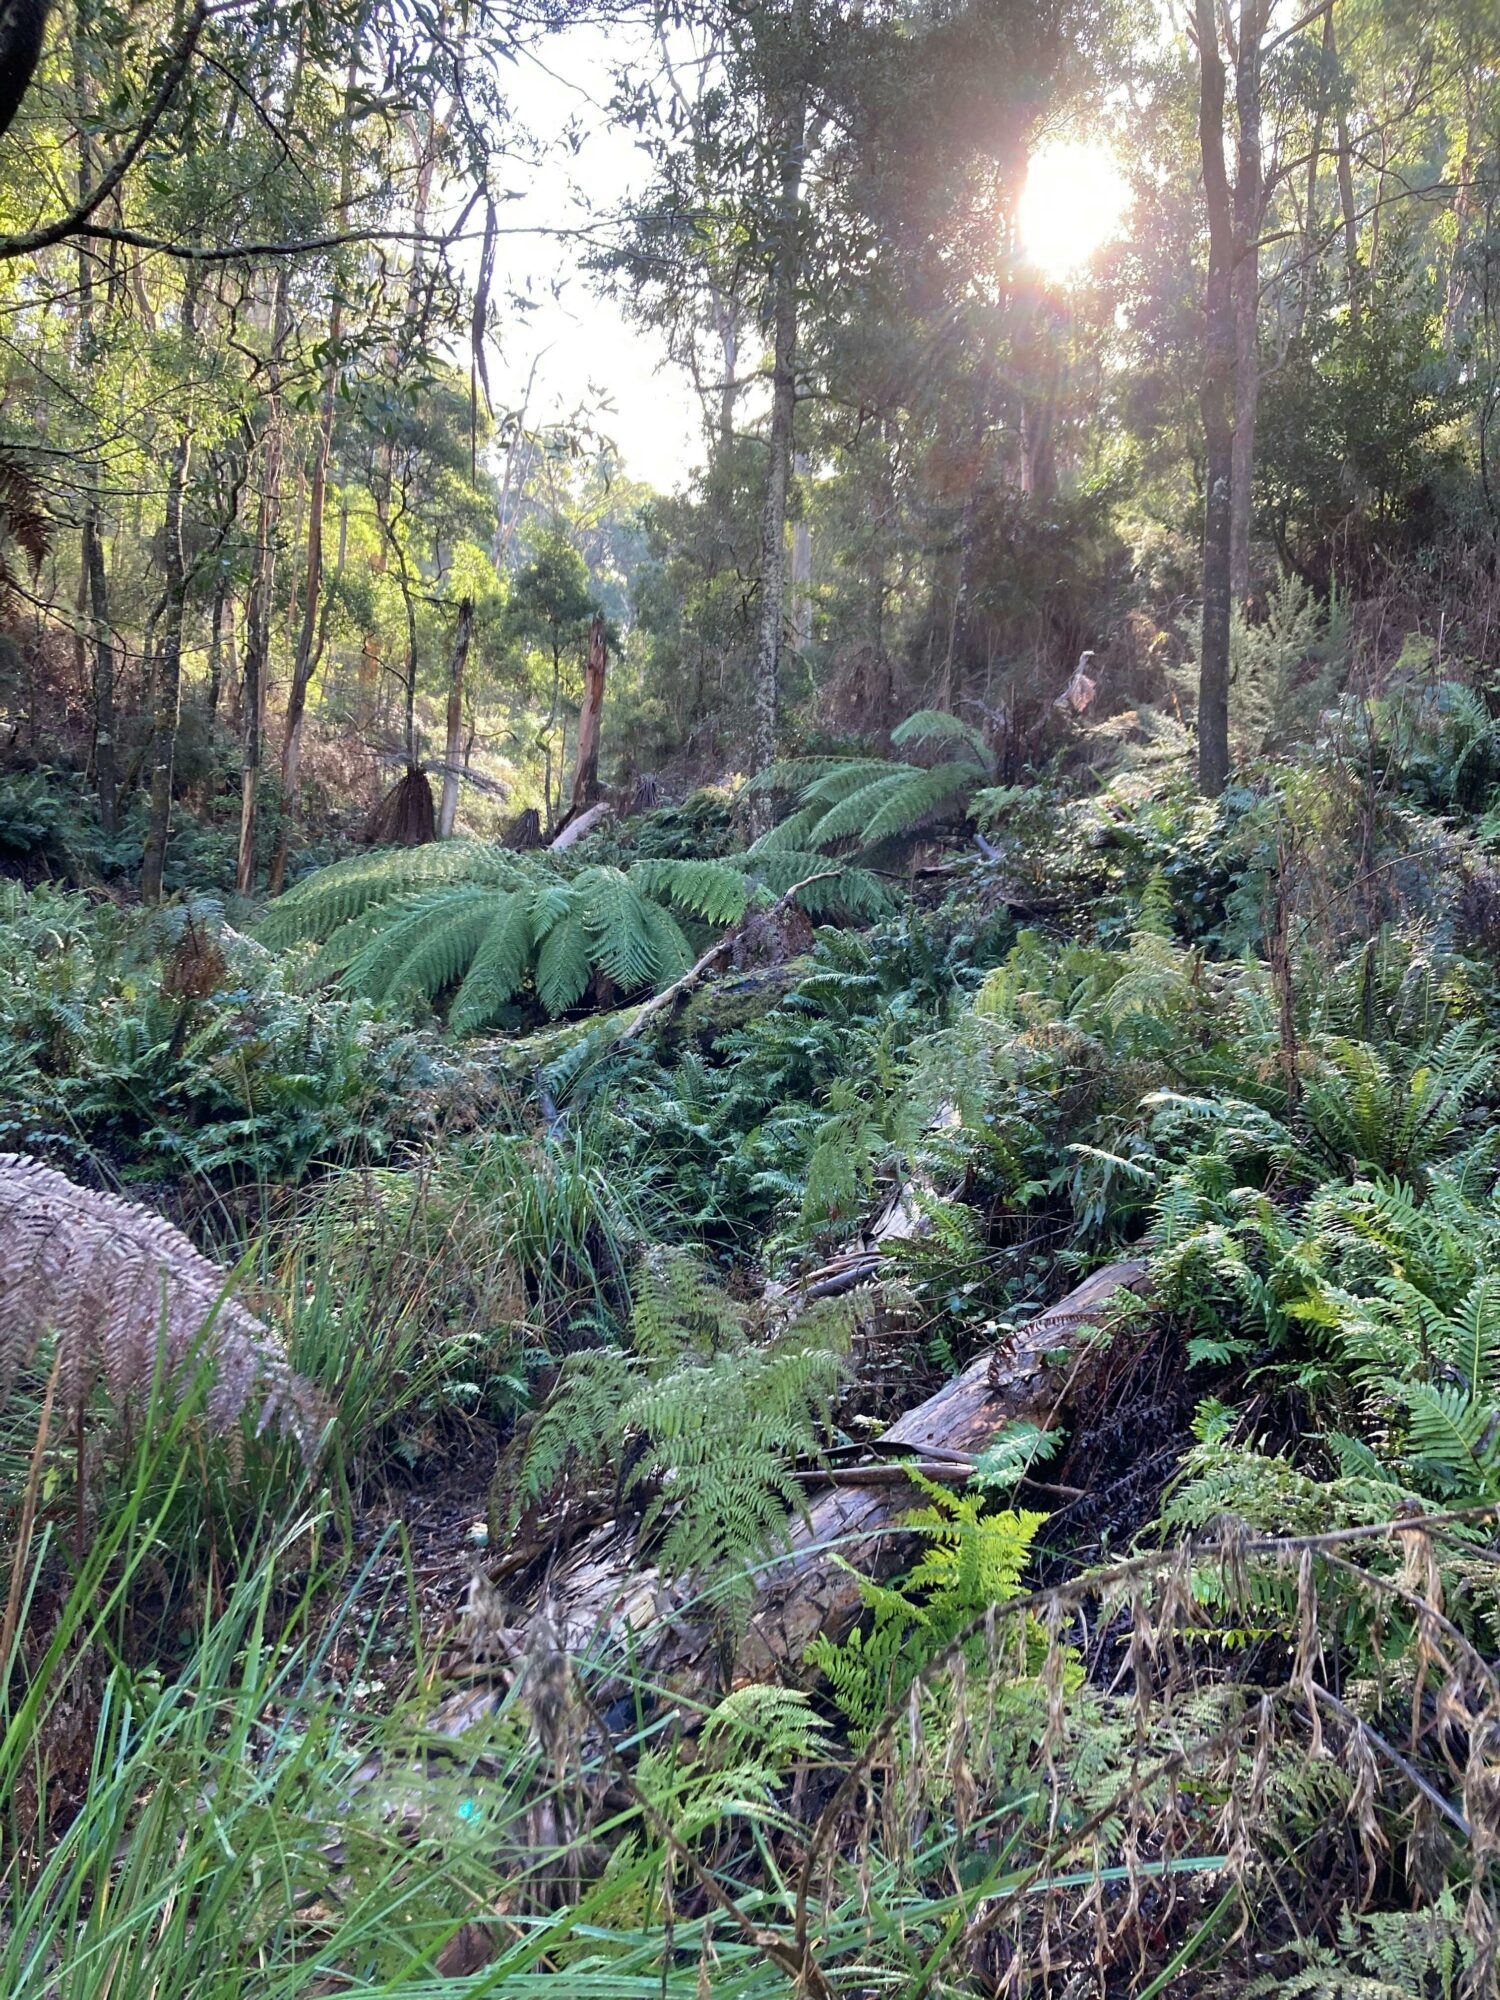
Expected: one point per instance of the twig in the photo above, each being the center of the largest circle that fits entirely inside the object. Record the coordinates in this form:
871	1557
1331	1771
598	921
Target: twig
1393	1756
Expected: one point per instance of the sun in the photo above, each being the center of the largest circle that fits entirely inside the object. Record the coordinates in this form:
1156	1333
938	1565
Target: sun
1071	205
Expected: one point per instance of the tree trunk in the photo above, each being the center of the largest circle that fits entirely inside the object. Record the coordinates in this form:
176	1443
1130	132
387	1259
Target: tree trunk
1314	164
801	572
216	643
167	677
586	774
91	548
785	278
814	1586
1346	182
453	747
308	648
106	768
1249	202
305	663
1217	404
262	584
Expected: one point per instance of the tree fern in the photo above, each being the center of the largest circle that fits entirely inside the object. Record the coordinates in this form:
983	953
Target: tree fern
319	904
127	1299
861	803
479	924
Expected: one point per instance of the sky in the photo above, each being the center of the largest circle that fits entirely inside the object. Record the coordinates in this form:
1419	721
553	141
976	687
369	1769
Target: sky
582	347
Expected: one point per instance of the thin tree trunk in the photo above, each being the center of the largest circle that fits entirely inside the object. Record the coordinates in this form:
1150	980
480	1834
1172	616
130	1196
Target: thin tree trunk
586	775
1346	182
1217	404
1249	201
1314	164
262	585
801	573
216	643
106	770
308	648
91	548
453	746
167	676
785	279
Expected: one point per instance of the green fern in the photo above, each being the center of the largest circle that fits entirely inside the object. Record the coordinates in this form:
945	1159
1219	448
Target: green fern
970	1561
859	804
704	1421
481	925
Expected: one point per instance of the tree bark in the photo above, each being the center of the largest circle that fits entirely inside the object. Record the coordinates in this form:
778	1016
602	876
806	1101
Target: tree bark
1249	203
167	675
91	548
106	766
262	585
453	746
1217	405
305	662
786	274
590	719
801	571
1346	181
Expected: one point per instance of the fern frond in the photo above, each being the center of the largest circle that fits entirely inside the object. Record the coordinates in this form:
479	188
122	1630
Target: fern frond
712	890
128	1298
499	966
564	963
936	725
316	906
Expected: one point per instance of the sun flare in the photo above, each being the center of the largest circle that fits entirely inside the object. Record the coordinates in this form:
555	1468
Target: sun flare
1071	206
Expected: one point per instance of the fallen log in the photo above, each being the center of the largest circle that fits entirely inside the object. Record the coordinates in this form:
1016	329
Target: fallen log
606	1603
576	825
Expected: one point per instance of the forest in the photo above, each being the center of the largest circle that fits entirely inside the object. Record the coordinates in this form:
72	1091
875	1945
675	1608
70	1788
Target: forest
749	1035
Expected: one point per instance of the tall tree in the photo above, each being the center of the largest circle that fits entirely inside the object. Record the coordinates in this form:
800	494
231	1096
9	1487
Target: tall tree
1217	404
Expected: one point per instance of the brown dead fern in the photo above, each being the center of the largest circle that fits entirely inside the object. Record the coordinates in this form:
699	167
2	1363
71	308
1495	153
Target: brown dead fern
124	1294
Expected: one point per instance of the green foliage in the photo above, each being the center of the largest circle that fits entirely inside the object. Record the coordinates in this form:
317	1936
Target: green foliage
863	803
214	1069
971	1560
471	920
702	1419
484	926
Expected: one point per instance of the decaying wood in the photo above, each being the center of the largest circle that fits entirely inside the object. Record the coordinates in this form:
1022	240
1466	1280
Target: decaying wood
604	1599
807	1593
576	827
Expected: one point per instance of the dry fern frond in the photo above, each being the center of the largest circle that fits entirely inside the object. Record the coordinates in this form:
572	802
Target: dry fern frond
23	526
117	1287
